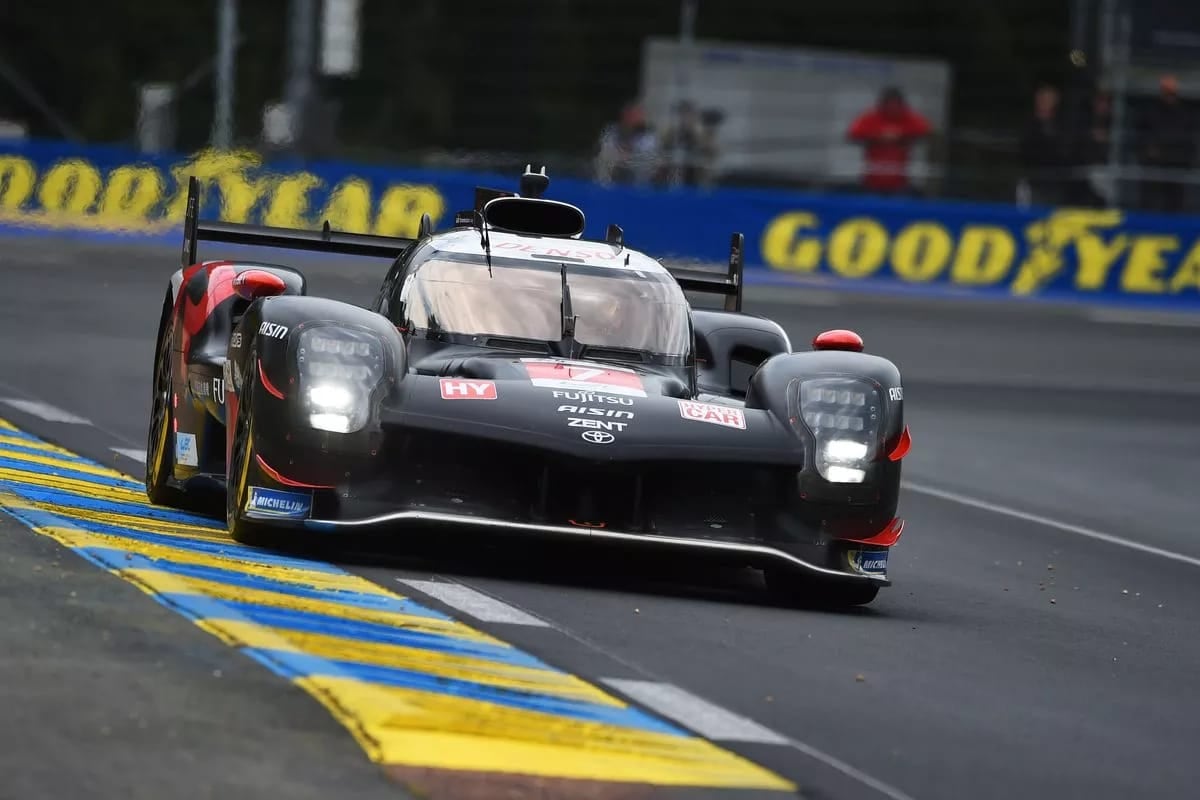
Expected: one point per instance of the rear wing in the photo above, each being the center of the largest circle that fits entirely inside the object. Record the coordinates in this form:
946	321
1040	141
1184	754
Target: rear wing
325	240
706	281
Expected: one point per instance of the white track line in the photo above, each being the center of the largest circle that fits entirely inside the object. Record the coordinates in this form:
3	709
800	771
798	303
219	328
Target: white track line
716	723
134	453
855	774
475	604
705	718
44	411
1067	527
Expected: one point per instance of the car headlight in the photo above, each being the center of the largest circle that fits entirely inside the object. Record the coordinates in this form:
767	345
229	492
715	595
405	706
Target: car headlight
339	370
844	417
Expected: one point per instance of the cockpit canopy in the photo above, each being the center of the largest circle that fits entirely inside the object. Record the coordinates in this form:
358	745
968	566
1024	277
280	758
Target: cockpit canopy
616	308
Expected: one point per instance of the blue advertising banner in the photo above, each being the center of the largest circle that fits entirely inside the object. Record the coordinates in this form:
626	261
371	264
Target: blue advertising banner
962	248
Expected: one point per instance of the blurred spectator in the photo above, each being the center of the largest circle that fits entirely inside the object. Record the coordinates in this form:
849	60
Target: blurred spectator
888	132
689	145
1099	187
628	149
1044	149
1167	144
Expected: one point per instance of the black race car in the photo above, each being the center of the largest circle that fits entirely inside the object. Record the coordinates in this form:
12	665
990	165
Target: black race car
512	377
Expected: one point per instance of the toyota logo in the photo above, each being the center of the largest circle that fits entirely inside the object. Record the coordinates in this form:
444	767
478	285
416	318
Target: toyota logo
597	437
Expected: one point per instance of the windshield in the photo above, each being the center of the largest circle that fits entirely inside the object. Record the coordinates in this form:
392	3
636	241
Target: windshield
614	307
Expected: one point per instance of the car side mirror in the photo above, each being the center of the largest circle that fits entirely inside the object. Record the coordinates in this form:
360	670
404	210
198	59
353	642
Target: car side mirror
255	283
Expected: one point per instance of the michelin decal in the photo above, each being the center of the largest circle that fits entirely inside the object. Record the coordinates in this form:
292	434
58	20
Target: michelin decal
276	503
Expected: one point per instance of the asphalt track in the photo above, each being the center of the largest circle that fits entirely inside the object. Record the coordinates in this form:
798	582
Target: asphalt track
1040	639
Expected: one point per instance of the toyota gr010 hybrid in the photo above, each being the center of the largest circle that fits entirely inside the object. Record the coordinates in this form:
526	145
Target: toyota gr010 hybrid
512	377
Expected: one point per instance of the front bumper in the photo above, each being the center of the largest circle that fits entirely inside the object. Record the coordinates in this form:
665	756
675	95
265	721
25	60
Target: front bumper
751	553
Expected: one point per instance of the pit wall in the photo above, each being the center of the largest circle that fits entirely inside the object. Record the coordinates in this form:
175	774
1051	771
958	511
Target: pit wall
843	242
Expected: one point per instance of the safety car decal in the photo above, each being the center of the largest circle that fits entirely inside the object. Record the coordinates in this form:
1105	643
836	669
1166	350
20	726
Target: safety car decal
726	416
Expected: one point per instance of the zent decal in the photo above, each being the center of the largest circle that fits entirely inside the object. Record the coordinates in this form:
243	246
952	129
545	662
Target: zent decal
455	389
581	376
871	562
273	330
276	503
186	454
717	415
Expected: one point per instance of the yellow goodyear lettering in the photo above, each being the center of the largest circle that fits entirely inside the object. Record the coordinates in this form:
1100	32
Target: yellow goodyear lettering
984	256
921	251
288	204
131	194
239	194
1048	238
1144	270
401	207
349	206
1188	274
70	187
783	247
1095	258
17	177
857	247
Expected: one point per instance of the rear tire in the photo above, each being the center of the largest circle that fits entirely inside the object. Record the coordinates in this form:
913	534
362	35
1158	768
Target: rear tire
784	586
160	456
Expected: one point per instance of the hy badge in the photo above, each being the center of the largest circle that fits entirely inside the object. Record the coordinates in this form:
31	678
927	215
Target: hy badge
454	389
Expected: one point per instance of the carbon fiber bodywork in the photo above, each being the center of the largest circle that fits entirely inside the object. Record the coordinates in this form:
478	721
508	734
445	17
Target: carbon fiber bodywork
516	438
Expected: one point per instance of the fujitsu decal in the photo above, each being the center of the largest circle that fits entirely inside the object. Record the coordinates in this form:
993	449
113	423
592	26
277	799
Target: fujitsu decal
726	416
462	389
588	397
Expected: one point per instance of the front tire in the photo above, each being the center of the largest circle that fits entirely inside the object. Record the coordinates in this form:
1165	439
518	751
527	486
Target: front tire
160	457
242	470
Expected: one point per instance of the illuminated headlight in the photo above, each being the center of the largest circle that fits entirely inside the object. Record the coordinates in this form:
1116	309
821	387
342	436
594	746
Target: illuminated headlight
844	417
339	370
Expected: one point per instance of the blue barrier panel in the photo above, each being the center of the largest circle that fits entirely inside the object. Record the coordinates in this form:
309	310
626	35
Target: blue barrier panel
898	245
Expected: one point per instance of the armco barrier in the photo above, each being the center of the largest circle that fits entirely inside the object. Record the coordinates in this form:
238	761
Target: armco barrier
1091	255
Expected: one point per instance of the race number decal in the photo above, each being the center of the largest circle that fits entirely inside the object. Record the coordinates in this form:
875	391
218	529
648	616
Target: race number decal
580	376
717	415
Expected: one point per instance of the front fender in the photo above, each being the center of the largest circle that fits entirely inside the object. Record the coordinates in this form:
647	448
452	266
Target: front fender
264	369
845	507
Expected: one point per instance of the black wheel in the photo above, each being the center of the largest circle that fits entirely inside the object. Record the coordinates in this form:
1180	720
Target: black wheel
242	471
160	455
784	586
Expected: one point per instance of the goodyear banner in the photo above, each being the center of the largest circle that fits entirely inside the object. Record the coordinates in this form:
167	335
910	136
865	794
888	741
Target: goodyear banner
1093	255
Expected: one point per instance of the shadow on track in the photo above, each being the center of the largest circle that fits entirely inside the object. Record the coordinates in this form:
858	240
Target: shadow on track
597	566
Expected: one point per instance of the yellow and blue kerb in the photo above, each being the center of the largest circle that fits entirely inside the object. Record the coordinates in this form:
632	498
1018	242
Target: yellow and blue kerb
415	687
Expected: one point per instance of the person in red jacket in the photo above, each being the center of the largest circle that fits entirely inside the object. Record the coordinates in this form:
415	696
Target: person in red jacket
888	132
